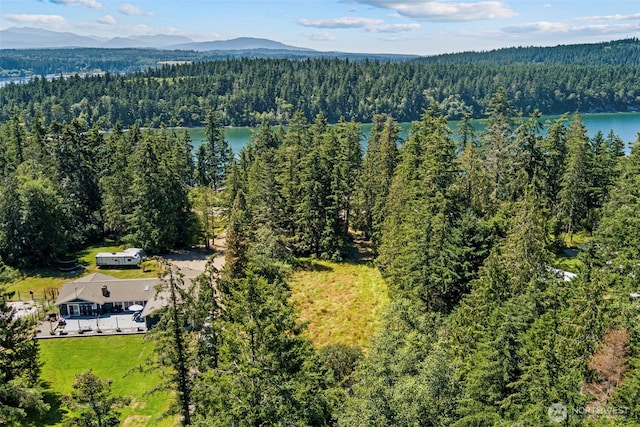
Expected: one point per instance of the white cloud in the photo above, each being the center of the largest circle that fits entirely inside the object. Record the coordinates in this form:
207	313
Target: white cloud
129	9
368	24
107	20
344	22
93	4
321	36
445	11
546	28
393	28
609	18
47	21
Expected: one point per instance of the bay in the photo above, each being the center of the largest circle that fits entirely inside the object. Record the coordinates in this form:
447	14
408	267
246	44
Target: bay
625	125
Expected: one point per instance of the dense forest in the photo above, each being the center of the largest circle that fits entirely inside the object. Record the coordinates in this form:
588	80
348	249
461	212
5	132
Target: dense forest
37	62
249	91
481	329
621	52
466	227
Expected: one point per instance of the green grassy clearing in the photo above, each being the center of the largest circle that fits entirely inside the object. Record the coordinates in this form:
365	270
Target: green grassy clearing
42	280
110	357
341	302
567	262
578	239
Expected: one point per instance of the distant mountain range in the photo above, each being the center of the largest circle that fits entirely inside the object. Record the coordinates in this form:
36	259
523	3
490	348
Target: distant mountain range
35	38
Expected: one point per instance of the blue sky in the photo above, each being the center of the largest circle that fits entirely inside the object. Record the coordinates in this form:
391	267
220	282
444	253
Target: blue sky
374	26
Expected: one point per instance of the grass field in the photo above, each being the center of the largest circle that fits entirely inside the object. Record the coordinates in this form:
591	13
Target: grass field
43	280
341	302
110	357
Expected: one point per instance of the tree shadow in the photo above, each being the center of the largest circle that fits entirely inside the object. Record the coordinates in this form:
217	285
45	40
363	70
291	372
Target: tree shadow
359	252
50	272
310	265
54	415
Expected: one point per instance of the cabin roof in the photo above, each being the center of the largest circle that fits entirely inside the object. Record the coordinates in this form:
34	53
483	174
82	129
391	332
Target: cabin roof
89	289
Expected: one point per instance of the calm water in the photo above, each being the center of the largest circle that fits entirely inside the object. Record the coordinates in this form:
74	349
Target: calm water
625	125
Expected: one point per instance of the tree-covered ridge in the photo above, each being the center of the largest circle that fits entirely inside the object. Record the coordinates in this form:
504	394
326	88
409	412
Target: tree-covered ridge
248	91
36	62
619	52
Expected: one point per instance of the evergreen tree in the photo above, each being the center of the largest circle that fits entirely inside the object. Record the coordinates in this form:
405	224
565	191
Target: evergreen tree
575	187
346	170
217	155
497	142
267	373
16	140
32	222
606	154
378	167
466	132
392	385
92	399
314	190
76	156
116	181
506	294
162	216
420	217
20	392
554	152
207	315
288	158
617	240
237	240
172	350
528	161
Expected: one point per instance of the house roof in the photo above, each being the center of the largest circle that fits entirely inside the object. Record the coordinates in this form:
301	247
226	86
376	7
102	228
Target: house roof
161	299
89	288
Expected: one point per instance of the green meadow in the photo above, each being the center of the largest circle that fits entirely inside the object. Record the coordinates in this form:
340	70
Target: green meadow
110	357
341	302
43	280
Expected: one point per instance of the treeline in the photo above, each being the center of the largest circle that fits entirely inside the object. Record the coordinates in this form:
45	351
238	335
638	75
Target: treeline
66	186
249	91
482	329
42	62
39	62
619	52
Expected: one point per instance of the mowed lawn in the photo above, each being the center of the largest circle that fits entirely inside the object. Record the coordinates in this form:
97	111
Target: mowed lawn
42	280
110	357
342	302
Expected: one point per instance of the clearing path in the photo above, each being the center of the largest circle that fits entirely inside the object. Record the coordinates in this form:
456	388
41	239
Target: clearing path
193	262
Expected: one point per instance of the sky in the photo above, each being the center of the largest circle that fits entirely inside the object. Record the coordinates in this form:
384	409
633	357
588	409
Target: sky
423	27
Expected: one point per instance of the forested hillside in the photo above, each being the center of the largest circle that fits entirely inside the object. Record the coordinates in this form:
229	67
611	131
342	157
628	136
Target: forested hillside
37	62
482	328
248	91
471	231
620	52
